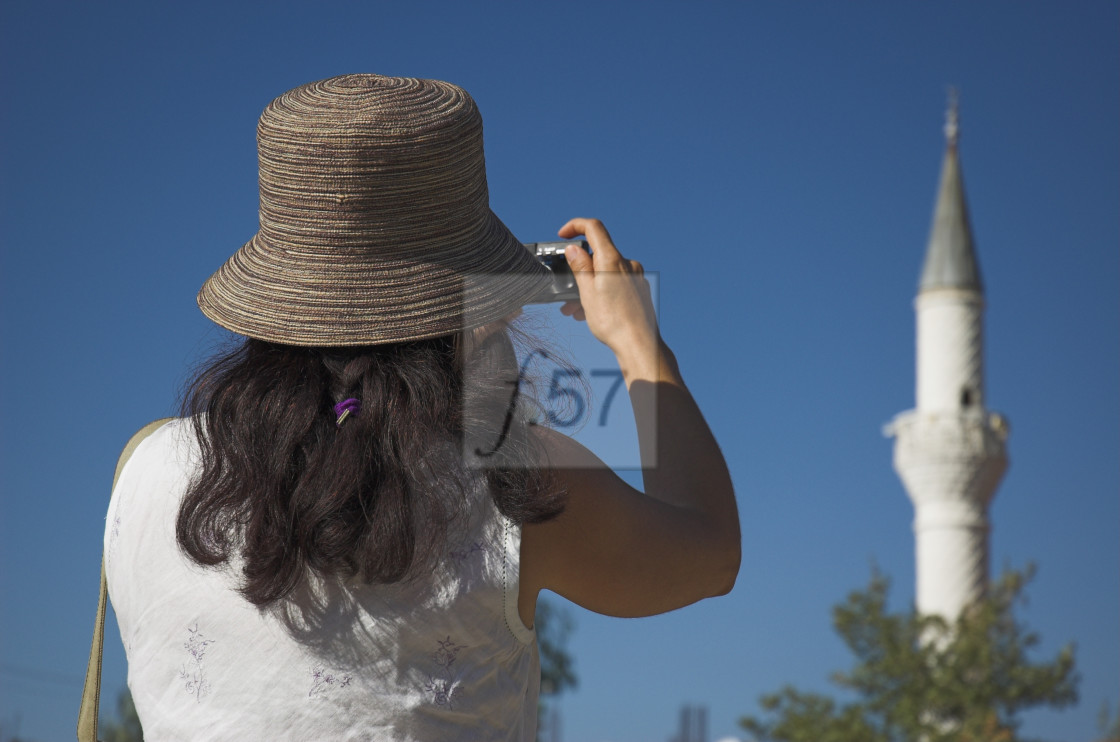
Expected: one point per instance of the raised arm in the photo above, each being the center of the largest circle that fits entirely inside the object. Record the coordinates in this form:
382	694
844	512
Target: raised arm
615	550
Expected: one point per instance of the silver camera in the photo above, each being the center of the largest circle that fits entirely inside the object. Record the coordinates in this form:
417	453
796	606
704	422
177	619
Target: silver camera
551	255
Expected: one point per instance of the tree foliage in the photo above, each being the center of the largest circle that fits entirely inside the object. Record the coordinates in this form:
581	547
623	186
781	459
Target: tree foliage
554	626
920	679
126	727
1108	725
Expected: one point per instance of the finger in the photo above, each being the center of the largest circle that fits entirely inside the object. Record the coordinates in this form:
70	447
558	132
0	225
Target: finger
637	268
583	269
578	260
605	253
574	310
580	225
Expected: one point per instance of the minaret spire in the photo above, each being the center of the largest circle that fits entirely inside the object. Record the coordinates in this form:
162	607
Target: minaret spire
950	449
951	255
952	118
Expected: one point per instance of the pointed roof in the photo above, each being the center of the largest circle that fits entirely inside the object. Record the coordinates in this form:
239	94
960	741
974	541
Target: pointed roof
951	257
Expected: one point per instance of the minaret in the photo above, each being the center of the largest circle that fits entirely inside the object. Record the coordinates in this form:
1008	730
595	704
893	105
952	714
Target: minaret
949	450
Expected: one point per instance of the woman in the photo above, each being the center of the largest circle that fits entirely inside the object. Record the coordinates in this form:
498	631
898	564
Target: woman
318	549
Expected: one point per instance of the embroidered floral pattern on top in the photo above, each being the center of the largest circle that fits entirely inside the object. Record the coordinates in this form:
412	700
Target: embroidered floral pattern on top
444	687
195	683
323	681
462	554
114	534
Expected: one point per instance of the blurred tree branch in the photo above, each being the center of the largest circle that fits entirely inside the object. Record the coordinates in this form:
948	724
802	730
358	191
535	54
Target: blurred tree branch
920	679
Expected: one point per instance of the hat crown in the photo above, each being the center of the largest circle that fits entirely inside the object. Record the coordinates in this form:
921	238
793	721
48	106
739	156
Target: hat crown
371	162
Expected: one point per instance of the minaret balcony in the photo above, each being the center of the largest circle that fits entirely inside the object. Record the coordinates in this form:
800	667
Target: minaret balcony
950	455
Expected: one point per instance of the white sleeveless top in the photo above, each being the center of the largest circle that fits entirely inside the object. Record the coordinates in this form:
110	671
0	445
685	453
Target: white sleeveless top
444	658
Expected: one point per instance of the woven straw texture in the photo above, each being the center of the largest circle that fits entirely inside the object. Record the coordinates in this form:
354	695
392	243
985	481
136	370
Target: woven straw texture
375	224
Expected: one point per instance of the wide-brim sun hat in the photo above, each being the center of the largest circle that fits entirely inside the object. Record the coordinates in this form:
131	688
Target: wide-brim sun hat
375	221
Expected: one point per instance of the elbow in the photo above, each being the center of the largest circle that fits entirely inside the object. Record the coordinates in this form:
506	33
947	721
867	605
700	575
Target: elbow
722	553
729	570
726	539
725	561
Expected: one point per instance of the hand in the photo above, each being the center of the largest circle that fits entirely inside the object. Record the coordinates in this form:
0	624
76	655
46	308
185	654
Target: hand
614	296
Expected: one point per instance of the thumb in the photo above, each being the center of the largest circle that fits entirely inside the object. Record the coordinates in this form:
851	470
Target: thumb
578	259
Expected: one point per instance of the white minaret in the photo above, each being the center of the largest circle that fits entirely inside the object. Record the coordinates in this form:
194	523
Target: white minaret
949	450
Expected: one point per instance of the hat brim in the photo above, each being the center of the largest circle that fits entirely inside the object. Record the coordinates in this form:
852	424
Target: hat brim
349	297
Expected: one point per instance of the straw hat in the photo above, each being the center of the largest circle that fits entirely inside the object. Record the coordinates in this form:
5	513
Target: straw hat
375	223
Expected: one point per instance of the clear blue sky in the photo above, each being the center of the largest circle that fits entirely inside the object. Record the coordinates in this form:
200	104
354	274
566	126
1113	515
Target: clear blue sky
775	162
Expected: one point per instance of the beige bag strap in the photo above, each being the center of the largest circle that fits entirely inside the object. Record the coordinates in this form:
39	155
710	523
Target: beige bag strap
91	693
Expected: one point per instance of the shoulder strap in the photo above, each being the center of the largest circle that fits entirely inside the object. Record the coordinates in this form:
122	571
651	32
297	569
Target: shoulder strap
91	693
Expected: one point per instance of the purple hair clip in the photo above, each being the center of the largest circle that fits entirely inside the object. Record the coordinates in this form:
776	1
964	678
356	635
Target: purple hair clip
344	409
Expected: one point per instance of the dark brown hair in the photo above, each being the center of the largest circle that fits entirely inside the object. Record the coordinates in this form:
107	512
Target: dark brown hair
283	487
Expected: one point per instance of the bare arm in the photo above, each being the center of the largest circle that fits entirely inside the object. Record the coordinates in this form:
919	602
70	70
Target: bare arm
615	550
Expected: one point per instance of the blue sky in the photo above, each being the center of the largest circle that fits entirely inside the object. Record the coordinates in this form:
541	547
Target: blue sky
776	163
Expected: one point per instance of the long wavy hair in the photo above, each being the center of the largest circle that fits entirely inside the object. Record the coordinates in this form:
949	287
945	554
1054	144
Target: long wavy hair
291	493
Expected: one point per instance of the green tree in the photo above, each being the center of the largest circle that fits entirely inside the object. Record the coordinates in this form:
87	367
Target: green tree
126	727
1108	725
919	679
554	625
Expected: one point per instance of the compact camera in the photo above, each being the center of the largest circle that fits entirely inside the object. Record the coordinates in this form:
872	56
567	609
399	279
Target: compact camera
551	255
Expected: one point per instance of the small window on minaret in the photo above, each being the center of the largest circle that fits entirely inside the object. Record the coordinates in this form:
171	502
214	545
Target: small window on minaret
966	397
